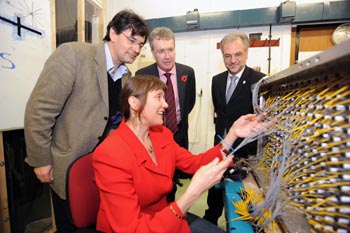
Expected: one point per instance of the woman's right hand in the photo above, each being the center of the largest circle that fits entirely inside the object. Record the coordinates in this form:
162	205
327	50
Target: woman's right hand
209	175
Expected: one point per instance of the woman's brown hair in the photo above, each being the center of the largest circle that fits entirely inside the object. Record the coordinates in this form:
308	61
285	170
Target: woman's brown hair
138	86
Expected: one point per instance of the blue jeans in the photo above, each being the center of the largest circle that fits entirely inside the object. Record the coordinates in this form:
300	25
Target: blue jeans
200	225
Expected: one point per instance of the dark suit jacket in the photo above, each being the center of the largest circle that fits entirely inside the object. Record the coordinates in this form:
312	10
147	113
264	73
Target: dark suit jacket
239	104
186	84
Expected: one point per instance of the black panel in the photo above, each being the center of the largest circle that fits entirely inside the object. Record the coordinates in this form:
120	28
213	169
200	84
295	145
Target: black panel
28	199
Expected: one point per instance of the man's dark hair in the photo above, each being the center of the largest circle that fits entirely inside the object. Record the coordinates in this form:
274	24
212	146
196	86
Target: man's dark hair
127	19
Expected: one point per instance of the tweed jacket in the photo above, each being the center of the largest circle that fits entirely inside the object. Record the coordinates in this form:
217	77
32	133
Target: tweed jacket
133	189
239	104
186	84
68	109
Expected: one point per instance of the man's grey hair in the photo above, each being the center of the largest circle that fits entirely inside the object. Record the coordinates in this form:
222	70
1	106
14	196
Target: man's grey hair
233	36
160	33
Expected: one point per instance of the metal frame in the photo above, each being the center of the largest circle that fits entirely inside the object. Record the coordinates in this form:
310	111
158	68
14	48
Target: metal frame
304	13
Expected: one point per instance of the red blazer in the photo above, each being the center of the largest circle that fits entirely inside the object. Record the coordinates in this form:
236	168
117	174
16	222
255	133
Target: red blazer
133	189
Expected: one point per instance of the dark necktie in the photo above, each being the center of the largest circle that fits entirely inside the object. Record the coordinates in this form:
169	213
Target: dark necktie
170	117
231	88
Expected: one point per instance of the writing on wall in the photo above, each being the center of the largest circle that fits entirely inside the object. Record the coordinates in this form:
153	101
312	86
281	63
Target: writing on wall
25	46
19	26
6	62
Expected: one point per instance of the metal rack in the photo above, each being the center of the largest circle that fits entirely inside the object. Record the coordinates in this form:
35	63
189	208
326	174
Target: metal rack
304	164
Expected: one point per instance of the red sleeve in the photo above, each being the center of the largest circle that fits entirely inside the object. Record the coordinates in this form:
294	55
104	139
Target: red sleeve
190	163
184	160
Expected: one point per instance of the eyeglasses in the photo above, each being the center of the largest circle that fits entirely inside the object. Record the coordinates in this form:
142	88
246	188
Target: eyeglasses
133	41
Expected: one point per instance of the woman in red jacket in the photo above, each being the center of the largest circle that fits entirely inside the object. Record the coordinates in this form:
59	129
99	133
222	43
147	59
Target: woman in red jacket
134	166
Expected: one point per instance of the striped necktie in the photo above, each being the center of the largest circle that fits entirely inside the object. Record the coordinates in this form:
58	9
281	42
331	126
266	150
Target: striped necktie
170	117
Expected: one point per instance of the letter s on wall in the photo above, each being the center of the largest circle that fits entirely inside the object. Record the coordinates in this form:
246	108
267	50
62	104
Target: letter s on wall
11	65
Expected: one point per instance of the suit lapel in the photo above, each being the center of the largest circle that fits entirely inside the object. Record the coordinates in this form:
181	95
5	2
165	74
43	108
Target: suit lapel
222	87
141	154
241	85
101	73
181	86
153	70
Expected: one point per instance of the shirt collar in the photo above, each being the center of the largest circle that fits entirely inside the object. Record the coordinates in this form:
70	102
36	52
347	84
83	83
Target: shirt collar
239	74
109	60
162	72
121	70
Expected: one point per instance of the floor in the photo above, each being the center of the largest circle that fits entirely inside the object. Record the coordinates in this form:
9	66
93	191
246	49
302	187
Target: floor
200	206
43	225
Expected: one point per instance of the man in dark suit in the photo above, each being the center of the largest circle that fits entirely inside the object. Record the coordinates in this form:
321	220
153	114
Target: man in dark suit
230	102
73	104
162	43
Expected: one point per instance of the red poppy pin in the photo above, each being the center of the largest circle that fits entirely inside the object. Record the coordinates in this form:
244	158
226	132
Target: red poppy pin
184	78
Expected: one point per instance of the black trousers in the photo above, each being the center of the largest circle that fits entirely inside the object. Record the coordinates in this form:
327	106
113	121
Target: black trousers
61	209
215	203
182	139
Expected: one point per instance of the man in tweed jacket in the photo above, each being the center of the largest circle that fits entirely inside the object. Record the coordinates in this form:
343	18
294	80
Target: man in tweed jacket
76	95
